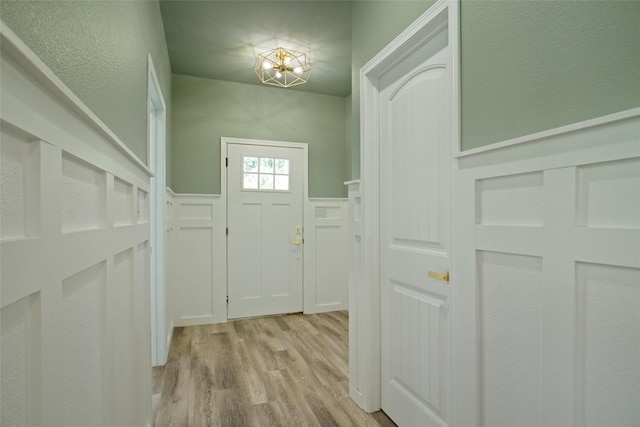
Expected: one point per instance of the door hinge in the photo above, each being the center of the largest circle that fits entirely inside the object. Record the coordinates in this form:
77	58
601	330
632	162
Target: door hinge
226	233
226	161
227	300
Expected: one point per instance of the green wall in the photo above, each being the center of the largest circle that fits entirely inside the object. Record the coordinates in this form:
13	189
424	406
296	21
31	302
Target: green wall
99	49
526	66
374	25
205	110
536	65
348	139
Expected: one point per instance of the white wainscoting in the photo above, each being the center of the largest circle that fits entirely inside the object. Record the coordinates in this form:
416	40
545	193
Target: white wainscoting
197	265
197	287
547	278
74	202
169	222
326	244
356	287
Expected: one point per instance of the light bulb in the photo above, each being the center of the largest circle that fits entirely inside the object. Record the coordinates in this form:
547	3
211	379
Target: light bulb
266	65
278	74
297	70
287	59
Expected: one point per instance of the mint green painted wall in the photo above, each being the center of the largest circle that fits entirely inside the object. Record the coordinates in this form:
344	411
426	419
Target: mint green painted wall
526	66
374	25
348	139
99	49
205	110
529	66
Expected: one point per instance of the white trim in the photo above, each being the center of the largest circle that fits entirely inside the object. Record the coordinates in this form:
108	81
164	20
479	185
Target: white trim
353	181
24	56
199	320
217	196
154	97
262	142
161	322
443	14
195	195
327	199
555	132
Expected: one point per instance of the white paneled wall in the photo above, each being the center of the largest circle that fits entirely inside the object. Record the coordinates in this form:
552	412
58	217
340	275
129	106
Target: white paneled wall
356	286
169	222
74	294
197	243
197	282
548	278
326	246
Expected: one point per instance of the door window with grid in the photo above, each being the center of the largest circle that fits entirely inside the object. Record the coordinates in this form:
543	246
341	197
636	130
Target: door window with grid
265	173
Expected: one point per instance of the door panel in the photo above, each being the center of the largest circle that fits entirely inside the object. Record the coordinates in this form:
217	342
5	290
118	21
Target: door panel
415	124
414	231
265	232
510	288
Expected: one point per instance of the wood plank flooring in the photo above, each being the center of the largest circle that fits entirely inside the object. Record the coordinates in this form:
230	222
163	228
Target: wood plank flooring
288	370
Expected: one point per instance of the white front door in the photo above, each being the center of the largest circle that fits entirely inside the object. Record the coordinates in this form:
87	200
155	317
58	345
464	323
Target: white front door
264	218
415	164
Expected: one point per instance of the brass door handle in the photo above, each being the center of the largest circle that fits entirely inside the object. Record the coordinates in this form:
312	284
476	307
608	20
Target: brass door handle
439	276
297	241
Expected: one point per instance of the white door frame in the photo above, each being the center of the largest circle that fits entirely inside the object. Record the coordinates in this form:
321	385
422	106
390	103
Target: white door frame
156	140
224	142
368	305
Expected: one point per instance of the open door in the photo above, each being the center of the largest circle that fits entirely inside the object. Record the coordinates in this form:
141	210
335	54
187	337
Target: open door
415	248
410	134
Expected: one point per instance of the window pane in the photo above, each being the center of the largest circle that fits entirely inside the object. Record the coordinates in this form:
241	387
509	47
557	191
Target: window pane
282	182
282	166
266	182
266	165
251	164
250	180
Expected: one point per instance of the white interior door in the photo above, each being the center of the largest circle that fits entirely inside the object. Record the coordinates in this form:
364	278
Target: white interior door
415	164
265	240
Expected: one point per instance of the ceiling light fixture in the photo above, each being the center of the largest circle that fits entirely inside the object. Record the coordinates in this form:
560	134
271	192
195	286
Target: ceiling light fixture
282	67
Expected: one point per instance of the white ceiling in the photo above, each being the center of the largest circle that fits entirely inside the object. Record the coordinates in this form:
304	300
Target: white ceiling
220	39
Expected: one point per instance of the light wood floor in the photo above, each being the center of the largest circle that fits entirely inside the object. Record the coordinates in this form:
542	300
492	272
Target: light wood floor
288	370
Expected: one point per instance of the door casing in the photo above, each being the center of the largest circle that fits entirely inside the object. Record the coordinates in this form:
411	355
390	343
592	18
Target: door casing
161	325
367	316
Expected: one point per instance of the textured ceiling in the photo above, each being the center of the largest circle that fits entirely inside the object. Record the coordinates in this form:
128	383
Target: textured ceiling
220	39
